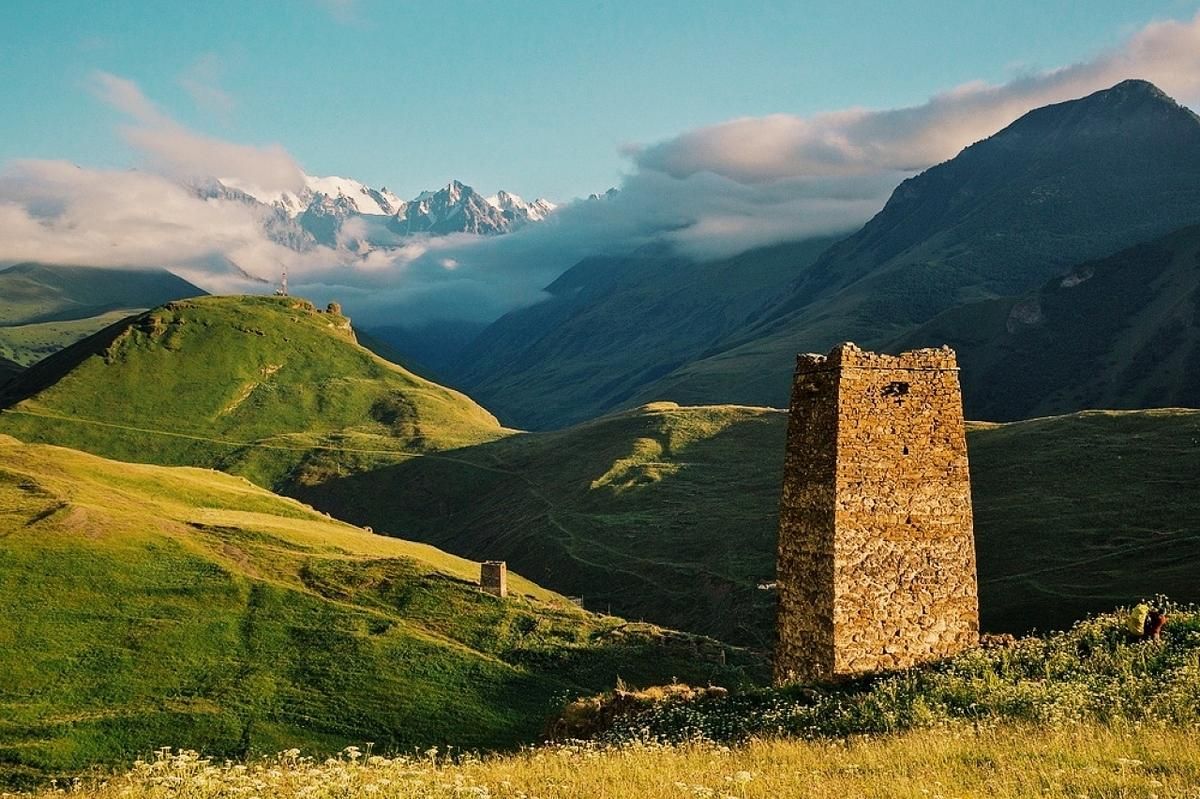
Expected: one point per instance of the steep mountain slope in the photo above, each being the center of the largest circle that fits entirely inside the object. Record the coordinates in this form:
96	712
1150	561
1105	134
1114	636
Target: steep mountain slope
1123	331
146	605
1061	185
31	292
669	513
266	387
614	325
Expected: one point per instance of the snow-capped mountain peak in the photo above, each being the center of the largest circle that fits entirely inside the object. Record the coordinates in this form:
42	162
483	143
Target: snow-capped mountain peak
320	211
534	211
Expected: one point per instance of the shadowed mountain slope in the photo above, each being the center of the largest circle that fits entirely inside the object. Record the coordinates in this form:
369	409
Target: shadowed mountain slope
145	604
8	370
670	514
1061	185
613	325
267	387
1120	332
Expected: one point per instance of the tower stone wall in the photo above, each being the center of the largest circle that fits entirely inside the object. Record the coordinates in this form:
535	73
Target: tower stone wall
876	566
493	577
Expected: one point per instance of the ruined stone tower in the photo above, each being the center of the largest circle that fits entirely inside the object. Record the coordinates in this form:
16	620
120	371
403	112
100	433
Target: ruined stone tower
876	565
493	577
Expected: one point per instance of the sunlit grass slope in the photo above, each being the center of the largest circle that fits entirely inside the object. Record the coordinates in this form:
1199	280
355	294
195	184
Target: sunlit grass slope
146	605
266	387
669	513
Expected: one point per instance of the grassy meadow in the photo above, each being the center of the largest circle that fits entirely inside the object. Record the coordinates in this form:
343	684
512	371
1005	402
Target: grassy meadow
147	605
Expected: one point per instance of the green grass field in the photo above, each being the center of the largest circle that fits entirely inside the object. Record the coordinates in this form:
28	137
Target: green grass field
669	513
146	605
265	387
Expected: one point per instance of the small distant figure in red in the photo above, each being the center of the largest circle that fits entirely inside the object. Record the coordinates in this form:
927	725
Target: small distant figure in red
1155	621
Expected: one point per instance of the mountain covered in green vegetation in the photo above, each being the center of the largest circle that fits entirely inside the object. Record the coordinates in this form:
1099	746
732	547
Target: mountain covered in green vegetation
669	513
35	292
267	387
146	605
1062	185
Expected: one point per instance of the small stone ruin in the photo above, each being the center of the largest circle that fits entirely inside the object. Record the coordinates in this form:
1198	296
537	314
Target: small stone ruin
876	560
493	577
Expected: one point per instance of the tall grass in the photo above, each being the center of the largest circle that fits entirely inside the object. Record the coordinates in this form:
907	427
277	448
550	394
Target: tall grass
1090	673
1153	762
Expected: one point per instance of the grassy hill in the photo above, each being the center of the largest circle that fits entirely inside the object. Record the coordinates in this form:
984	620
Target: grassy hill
146	605
1120	332
45	308
669	513
1082	713
266	387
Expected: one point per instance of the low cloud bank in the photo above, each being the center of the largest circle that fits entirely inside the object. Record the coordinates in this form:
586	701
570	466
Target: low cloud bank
710	192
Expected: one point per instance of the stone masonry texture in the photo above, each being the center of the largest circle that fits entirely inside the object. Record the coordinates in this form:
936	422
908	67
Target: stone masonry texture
876	567
493	577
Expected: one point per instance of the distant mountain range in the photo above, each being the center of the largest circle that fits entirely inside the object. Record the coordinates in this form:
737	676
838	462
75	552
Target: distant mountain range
1060	186
318	213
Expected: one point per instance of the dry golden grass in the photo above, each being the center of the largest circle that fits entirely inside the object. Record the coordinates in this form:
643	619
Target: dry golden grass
1085	761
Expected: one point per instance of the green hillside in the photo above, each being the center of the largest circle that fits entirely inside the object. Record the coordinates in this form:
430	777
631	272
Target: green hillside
1120	332
146	606
669	513
266	387
28	344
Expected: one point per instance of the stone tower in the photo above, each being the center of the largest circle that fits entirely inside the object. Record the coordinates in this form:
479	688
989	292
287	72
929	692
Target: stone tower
493	577
876	565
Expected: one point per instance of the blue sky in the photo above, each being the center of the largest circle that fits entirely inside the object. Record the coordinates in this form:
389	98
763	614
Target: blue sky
535	98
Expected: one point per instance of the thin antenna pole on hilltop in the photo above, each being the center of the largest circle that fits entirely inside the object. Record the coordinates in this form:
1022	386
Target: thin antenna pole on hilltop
282	290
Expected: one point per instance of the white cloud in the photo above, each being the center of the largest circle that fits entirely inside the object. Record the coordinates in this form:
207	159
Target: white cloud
174	150
202	80
711	192
857	141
